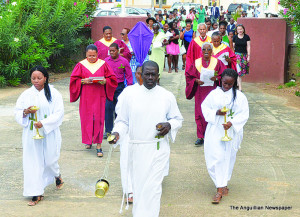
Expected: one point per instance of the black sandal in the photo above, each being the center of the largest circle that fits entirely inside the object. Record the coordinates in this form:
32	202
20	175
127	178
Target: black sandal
35	200
59	182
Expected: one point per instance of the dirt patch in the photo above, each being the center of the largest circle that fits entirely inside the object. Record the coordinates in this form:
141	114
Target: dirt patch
286	92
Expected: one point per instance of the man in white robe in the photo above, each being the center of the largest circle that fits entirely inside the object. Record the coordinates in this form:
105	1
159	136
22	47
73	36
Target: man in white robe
220	156
143	111
40	156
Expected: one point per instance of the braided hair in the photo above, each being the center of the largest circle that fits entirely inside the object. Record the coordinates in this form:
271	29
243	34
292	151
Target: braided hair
46	85
233	74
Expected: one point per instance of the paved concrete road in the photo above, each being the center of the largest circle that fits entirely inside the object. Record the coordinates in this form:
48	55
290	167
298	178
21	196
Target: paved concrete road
266	172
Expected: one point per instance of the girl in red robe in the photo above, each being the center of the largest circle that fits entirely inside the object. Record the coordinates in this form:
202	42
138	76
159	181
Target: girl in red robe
93	93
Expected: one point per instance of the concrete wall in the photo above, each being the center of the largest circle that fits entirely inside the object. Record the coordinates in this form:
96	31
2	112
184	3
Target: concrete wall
270	38
116	23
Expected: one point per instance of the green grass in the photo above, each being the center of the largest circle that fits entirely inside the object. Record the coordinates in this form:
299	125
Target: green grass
298	74
290	84
297	93
280	87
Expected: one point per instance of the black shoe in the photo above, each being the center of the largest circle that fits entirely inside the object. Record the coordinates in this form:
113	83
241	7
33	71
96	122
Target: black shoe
105	135
199	142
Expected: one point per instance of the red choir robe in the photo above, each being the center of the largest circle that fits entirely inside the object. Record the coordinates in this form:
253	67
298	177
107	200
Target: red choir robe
222	50
103	48
200	92
92	97
195	50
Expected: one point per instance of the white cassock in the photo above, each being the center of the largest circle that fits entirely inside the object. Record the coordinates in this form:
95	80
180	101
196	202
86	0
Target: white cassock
141	111
220	156
40	157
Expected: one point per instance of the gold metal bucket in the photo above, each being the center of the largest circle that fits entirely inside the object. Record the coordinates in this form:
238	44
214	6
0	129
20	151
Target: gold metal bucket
102	187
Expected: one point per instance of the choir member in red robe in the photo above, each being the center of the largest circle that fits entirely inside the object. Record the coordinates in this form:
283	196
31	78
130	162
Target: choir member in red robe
199	89
223	52
104	43
194	51
93	93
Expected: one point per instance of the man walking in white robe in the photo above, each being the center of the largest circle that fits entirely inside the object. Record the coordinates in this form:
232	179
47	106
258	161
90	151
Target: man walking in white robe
147	113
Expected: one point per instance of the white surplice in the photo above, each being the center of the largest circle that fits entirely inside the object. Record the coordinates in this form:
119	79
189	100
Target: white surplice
141	111
220	156
40	157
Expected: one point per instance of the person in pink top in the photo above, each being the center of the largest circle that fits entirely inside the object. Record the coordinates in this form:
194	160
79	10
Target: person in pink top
191	15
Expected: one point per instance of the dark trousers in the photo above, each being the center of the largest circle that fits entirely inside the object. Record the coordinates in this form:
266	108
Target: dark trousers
110	108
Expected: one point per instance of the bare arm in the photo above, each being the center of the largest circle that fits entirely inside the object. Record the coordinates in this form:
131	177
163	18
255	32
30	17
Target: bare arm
248	50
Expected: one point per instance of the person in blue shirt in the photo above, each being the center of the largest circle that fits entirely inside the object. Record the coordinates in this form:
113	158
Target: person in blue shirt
187	35
215	13
231	26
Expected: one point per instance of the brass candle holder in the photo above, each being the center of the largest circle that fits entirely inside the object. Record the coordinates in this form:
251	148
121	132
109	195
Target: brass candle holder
37	135
225	138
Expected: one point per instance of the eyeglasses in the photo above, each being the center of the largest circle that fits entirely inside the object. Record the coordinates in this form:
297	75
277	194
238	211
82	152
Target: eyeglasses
206	49
122	34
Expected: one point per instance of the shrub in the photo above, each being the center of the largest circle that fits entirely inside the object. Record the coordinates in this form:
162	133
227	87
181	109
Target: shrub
297	93
280	87
290	84
37	31
291	13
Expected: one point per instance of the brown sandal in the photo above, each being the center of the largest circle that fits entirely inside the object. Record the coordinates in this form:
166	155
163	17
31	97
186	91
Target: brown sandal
218	196
225	191
35	200
59	182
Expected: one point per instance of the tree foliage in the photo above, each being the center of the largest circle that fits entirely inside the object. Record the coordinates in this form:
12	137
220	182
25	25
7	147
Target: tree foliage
33	31
291	12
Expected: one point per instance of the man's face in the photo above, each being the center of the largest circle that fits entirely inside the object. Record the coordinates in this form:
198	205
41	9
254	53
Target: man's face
150	77
138	75
202	30
107	34
113	52
231	21
155	29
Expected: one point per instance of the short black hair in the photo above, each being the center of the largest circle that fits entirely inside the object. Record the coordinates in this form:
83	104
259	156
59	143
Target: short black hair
106	27
91	47
150	63
223	23
115	45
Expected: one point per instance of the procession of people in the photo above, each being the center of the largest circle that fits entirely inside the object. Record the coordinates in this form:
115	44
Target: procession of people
124	98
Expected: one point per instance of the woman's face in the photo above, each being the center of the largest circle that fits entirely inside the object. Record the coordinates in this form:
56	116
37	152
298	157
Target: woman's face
155	29
188	26
215	26
91	56
38	80
151	23
222	29
166	27
230	34
201	7
216	40
240	30
227	83
174	25
207	51
124	35
208	24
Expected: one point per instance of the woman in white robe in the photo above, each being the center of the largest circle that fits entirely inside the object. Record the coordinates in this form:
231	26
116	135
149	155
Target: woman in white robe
220	156
40	156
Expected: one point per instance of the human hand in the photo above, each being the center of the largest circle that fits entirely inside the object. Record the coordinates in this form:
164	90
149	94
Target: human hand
163	128
199	82
38	125
29	111
213	78
117	137
228	59
103	81
219	112
227	125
